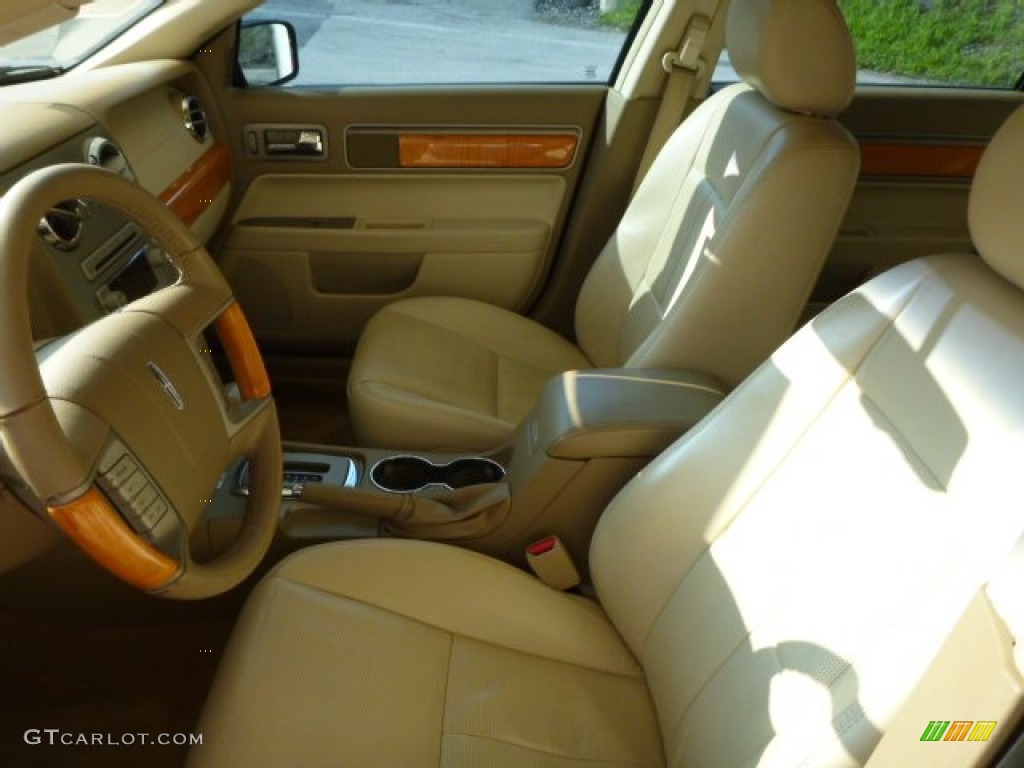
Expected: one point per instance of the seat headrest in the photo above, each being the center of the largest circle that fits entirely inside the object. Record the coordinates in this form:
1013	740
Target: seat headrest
797	53
997	199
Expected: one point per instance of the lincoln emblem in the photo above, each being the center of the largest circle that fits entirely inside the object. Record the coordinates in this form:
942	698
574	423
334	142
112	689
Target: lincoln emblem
166	385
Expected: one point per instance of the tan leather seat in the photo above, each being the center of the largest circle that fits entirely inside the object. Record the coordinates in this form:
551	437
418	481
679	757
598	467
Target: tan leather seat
708	269
771	588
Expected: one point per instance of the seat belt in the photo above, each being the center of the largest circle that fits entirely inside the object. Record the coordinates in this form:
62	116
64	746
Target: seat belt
688	78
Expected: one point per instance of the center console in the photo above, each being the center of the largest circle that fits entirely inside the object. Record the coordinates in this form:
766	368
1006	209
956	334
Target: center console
590	432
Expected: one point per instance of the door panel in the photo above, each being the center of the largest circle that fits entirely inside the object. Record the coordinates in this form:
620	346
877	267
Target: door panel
919	149
458	191
313	257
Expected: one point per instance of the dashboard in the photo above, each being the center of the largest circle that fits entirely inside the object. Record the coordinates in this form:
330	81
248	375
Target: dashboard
100	259
146	122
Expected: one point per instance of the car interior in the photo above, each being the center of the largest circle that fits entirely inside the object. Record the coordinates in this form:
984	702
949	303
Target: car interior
755	182
668	420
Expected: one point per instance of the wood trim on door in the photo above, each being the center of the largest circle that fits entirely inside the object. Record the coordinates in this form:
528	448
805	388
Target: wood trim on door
936	161
486	150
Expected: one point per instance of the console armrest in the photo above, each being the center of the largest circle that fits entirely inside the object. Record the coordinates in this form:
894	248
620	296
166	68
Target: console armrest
621	412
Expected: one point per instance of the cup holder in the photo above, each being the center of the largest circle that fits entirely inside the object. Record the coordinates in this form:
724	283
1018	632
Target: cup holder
407	474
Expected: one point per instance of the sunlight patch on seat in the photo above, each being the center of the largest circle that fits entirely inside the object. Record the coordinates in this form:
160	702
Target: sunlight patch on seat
700	248
732	168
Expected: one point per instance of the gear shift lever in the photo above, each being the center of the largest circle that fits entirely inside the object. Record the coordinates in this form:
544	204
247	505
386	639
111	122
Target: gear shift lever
480	507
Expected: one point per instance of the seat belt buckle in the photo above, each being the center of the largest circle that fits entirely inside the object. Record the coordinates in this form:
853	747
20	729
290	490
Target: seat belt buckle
550	561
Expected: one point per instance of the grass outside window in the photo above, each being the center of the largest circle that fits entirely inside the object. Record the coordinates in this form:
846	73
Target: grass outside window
954	42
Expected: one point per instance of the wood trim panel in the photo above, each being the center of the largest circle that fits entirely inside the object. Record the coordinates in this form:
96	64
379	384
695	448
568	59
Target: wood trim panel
243	354
93	524
940	161
195	190
486	150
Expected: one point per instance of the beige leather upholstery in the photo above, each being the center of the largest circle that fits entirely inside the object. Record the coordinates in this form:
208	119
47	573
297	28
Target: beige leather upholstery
780	578
840	513
708	269
478	369
400	656
776	582
797	53
998	179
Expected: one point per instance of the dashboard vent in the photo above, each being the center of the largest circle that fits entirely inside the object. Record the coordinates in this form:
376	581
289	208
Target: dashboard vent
61	227
196	122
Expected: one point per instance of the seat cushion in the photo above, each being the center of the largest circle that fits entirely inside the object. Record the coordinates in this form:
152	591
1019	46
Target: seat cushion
405	653
451	373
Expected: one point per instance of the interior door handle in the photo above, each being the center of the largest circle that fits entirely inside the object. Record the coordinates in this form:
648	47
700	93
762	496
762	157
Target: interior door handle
305	141
287	141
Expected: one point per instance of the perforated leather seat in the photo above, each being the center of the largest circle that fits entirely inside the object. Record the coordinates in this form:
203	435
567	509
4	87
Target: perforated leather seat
708	269
771	588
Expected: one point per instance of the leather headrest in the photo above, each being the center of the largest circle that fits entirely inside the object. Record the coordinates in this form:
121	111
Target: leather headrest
797	53
994	213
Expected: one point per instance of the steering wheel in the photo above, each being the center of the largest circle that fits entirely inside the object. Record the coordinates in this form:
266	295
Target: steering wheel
124	428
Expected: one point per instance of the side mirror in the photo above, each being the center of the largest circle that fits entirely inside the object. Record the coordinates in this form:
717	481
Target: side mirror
268	52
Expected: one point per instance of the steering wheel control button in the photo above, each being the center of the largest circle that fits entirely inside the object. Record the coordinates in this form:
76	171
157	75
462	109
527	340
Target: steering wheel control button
138	500
153	514
122	472
153	522
110	457
146	497
132	487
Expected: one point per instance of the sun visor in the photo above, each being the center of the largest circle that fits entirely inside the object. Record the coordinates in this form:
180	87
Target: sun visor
21	18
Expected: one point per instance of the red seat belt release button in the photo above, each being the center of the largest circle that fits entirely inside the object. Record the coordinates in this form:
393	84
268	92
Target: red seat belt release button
550	560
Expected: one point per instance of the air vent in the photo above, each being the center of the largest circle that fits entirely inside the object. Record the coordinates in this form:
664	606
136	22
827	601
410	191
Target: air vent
106	154
195	118
61	227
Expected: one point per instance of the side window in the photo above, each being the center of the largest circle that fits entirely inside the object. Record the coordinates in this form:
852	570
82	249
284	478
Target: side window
435	42
969	43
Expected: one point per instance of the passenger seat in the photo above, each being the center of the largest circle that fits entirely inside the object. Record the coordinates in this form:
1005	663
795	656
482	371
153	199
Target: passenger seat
708	269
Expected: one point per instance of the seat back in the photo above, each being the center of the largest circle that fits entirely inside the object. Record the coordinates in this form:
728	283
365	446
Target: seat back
786	572
718	250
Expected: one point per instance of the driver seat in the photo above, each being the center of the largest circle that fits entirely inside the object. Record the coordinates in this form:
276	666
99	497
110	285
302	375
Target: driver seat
770	590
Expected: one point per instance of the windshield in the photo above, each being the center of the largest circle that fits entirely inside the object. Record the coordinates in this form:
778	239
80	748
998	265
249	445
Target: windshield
59	48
